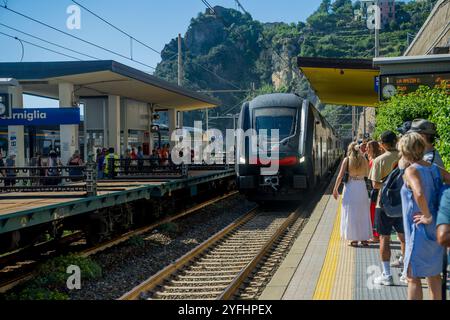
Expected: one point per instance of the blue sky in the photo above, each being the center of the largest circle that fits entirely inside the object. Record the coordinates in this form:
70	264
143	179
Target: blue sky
151	21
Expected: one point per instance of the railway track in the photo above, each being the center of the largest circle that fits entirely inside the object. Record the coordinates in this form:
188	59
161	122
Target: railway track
262	275
17	259
218	268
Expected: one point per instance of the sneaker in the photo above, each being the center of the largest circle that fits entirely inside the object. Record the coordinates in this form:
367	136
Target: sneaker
384	280
404	279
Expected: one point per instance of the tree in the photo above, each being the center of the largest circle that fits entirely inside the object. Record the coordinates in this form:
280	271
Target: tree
425	103
325	6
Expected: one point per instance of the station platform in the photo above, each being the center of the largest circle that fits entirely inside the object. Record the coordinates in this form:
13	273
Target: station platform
321	266
22	210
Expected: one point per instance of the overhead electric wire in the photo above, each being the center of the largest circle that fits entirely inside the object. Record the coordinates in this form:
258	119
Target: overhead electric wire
49	42
209	6
150	47
39	46
212	72
117	28
240	6
75	37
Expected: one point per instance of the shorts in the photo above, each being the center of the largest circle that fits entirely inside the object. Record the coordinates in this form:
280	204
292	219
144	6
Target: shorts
385	224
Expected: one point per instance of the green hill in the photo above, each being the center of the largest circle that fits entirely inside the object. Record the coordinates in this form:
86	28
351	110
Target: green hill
230	50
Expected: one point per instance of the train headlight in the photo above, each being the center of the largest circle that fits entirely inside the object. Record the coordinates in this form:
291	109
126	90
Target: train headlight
242	160
302	160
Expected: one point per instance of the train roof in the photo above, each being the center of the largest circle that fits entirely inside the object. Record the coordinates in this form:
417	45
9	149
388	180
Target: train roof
285	100
276	100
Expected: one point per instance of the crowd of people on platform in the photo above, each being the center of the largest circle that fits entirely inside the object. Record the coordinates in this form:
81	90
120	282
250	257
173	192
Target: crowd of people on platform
109	163
370	173
48	172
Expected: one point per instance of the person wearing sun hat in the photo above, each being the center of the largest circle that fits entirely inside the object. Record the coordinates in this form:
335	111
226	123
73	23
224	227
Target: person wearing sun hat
428	131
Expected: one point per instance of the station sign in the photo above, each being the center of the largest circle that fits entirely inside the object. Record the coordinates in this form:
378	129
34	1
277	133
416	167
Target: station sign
41	117
391	85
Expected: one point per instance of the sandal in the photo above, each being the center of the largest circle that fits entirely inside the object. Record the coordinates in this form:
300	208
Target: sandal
353	244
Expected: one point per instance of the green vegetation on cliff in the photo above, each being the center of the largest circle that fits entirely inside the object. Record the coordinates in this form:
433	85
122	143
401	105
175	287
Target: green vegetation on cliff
244	52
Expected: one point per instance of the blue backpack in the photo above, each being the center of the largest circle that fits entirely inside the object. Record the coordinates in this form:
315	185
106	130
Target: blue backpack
391	199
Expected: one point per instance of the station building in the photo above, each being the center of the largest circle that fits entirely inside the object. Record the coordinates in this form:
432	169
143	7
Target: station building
119	104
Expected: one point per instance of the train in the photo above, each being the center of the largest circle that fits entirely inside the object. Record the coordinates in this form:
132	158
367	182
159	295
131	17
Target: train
309	149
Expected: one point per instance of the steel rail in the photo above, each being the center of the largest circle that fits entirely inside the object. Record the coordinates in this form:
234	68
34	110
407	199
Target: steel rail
244	274
158	278
128	235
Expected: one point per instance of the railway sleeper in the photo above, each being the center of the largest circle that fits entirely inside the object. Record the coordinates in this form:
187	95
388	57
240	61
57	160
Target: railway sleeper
200	278
186	296
195	282
196	274
226	264
202	287
230	268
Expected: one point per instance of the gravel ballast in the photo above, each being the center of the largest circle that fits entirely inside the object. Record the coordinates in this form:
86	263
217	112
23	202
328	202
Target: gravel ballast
127	265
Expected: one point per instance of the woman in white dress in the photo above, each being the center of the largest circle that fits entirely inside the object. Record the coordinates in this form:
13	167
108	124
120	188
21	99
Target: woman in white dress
355	210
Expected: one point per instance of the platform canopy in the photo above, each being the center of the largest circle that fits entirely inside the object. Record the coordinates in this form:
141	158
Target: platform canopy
100	78
342	81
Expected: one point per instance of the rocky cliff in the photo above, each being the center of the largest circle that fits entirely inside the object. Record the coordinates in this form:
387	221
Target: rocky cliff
232	51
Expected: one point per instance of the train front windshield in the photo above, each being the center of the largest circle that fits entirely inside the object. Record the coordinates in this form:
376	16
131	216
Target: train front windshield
282	119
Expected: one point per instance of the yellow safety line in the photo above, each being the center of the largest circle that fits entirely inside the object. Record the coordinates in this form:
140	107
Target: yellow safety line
328	274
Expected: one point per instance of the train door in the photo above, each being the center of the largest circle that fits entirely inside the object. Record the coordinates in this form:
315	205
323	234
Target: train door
316	154
321	156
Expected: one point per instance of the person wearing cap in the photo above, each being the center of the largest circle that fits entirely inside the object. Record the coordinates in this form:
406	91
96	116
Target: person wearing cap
427	130
381	168
405	128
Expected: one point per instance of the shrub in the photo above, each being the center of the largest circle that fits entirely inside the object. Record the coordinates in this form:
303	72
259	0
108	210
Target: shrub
425	103
51	277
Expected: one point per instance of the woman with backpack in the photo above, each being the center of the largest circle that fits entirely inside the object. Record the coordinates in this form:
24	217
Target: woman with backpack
355	210
420	202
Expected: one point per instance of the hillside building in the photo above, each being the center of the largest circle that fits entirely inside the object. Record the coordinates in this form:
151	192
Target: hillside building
387	10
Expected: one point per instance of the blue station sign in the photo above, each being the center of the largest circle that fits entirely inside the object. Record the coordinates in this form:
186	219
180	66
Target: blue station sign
41	117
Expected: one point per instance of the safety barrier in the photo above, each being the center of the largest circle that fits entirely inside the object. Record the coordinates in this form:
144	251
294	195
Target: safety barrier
19	182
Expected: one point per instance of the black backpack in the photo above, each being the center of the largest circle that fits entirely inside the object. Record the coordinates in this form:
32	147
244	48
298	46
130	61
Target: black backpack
391	199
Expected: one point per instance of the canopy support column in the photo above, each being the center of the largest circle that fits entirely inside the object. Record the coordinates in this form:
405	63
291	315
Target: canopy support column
69	134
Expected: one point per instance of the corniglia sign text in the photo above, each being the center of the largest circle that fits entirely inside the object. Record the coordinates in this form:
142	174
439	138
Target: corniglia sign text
41	116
